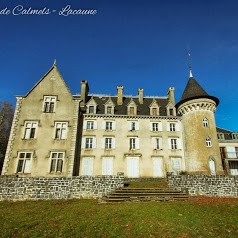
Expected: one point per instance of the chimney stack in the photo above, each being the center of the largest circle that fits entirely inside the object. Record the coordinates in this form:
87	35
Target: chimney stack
140	94
171	95
84	90
119	95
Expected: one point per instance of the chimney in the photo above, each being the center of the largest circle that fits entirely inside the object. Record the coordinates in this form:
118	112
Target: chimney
84	90
171	95
119	95
140	94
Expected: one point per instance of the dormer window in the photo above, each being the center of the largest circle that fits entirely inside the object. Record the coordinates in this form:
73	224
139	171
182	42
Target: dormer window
154	108
131	108
205	122
234	136
109	110
171	111
132	111
91	109
220	136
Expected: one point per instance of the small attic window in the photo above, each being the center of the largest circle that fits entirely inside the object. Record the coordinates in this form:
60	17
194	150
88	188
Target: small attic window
154	111
132	110
220	136
234	136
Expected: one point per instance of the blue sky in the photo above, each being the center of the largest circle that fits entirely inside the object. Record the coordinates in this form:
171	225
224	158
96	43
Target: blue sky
137	44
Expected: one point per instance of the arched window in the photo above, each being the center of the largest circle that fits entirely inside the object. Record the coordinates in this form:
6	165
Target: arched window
212	166
208	142
205	122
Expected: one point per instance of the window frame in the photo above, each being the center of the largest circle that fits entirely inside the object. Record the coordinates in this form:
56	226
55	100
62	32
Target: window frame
172	126
208	141
108	125
32	129
174	143
205	122
90	125
21	168
58	134
49	105
57	162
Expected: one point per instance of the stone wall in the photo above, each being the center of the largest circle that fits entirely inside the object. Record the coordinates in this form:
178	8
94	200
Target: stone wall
36	188
218	186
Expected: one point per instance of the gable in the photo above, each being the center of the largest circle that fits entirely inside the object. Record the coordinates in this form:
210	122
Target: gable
51	83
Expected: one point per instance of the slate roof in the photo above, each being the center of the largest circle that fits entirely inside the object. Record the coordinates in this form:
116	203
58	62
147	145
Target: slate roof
193	90
142	109
227	134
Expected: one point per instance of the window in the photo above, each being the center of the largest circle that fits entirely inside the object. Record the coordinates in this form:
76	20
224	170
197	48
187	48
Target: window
108	143
109	110
56	164
171	111
133	126
174	144
172	127
89	143
91	109
132	111
132	143
157	143
49	104
24	162
61	130
154	111
155	126
234	136
108	125
90	125
208	142
30	130
205	122
220	136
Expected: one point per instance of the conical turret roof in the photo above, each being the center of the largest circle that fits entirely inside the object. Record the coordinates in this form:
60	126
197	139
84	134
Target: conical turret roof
193	90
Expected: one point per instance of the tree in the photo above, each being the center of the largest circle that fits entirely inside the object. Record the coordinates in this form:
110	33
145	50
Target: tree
6	116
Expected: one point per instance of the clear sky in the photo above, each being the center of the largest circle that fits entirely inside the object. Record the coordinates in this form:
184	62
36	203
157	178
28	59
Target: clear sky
134	43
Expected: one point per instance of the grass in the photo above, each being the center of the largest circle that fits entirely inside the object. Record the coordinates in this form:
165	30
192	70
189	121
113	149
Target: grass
86	218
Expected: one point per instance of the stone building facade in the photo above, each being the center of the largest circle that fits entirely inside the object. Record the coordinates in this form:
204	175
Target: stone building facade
55	133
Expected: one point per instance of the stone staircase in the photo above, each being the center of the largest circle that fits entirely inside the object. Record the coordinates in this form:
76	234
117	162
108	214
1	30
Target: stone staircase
130	194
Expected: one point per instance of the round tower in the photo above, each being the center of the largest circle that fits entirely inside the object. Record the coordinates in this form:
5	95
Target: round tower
197	108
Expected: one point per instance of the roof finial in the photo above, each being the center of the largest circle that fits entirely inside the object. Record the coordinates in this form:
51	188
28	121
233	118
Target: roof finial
190	64
54	63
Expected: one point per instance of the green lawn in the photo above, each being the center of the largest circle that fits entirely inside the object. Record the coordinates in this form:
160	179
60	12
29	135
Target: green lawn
87	218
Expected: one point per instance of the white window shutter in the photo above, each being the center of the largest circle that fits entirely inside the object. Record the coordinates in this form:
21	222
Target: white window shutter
83	143
137	143
137	126
160	126
154	142
113	125
113	143
169	144
129	125
151	126
103	125
177	126
168	126
85	125
179	144
94	143
160	143
95	125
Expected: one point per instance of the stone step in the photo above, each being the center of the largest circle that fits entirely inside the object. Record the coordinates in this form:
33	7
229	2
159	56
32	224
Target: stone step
145	194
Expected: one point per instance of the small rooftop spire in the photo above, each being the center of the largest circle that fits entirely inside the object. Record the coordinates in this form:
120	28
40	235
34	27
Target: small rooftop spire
190	65
54	62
